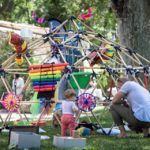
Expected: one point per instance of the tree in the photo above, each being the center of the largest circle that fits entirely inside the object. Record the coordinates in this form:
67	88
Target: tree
103	19
14	10
133	24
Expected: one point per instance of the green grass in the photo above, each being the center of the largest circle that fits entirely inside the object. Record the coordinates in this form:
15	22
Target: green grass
95	141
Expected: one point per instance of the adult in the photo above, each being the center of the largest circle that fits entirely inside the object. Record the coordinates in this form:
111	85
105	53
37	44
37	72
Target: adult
18	85
137	113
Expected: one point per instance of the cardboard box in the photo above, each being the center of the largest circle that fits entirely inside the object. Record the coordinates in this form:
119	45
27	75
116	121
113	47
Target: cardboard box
69	142
34	129
25	139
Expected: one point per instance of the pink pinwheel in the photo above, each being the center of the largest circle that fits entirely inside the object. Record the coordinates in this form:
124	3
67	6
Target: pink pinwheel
11	102
86	102
39	20
85	17
34	14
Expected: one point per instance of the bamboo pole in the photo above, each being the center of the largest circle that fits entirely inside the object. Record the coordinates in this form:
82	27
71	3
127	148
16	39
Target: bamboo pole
59	27
86	25
10	65
27	60
12	57
4	82
5	121
143	58
15	72
16	69
134	60
1	119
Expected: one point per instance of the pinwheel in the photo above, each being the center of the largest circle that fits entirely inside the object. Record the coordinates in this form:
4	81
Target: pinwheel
11	102
39	20
86	102
86	16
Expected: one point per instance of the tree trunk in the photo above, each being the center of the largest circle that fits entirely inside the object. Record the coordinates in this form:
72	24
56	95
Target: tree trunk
134	24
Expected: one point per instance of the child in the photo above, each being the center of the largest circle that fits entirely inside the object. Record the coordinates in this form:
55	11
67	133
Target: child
68	111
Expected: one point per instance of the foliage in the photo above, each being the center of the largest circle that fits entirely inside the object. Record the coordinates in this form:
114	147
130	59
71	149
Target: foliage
103	80
4	48
103	19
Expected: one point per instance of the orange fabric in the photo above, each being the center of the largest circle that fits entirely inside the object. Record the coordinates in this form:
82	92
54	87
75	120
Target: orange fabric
47	65
95	59
47	69
145	81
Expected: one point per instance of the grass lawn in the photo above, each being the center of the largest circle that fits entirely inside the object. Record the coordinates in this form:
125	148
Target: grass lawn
95	141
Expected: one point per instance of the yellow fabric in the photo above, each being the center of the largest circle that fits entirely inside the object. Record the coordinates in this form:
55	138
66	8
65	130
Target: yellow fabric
110	50
24	47
19	61
81	130
45	73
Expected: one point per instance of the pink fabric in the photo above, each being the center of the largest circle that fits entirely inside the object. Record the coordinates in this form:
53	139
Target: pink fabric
44	86
86	16
67	122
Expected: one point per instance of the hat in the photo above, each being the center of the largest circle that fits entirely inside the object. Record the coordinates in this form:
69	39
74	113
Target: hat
70	94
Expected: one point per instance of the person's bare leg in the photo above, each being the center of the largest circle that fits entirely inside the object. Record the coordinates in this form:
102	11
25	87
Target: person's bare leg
122	132
145	131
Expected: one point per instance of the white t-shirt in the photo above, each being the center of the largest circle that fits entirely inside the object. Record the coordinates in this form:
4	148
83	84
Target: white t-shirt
139	100
68	107
18	85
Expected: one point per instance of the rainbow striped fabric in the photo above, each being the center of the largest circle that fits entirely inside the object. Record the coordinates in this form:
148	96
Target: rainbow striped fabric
44	77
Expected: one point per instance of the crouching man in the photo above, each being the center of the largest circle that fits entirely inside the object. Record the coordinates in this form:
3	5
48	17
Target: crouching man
137	112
